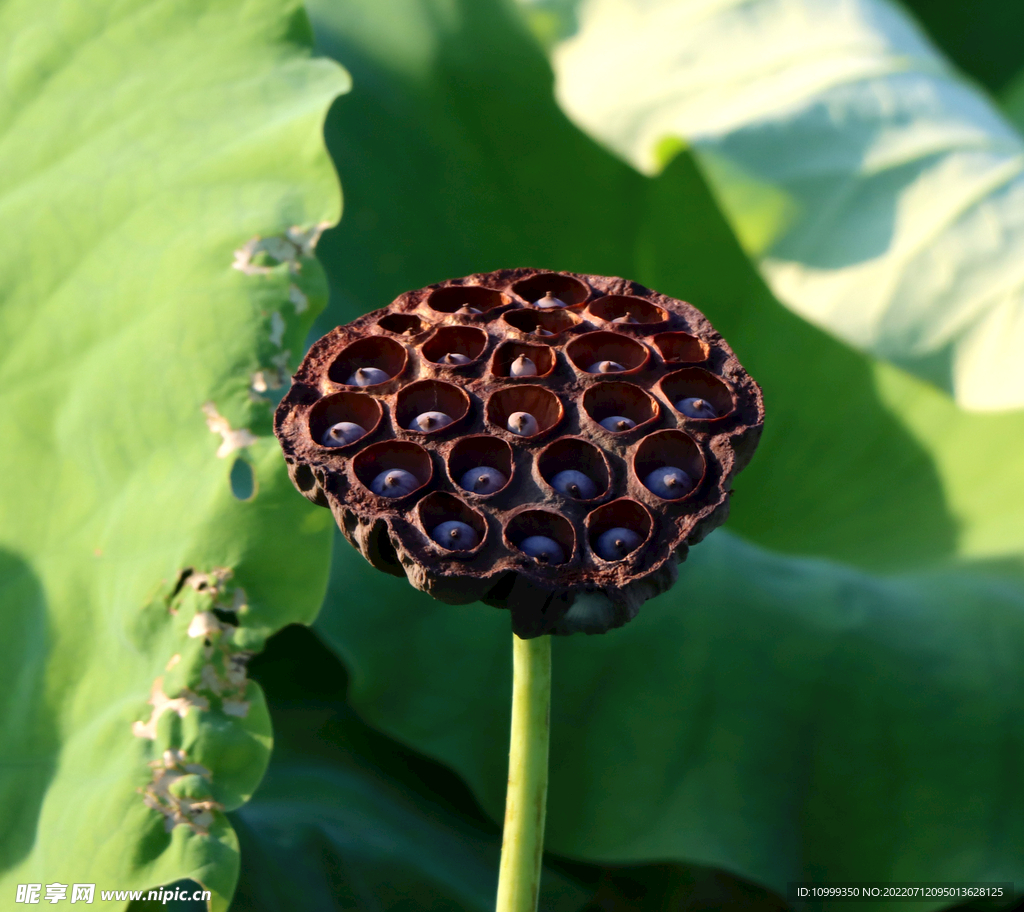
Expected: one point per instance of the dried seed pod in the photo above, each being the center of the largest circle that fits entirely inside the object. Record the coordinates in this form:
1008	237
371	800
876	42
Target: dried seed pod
430	421
342	433
368	376
455	535
501	473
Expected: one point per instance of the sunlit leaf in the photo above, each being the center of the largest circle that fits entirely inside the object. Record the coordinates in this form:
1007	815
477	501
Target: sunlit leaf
878	191
146	148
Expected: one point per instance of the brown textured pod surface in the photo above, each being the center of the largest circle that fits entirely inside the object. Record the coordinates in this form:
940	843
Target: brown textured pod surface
535	526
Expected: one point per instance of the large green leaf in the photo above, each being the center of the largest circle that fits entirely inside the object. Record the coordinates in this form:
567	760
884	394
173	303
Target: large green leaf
146	148
879	193
777	716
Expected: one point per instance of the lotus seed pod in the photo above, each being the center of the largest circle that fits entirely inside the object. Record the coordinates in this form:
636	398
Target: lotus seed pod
605	367
618	423
498	465
368	376
342	433
483	480
574	484
523	367
542	548
394	483
669	482
430	421
455	536
616	543
695	407
550	301
523	424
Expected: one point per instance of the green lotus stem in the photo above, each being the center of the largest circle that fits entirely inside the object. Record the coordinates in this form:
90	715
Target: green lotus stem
526	801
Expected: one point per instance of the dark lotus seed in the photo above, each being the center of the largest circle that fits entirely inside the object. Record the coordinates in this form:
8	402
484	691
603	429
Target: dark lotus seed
541	331
368	376
523	424
695	407
455	535
483	480
628	318
523	367
394	483
616	543
549	301
542	548
605	367
618	423
669	482
430	421
455	358
574	484
342	433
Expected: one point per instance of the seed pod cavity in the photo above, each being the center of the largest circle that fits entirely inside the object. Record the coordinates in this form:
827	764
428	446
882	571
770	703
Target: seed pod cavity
695	407
394	483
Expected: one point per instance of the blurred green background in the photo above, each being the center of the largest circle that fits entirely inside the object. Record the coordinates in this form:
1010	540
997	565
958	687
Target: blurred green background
832	692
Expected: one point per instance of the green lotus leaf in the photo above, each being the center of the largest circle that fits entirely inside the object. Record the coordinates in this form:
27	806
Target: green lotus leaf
877	190
147	149
831	698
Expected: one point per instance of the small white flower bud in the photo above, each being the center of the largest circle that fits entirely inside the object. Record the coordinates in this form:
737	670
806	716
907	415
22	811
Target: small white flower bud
574	484
605	367
618	423
430	421
455	535
483	480
694	407
549	301
542	548
394	483
368	376
523	367
669	482
523	424
616	543
342	433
